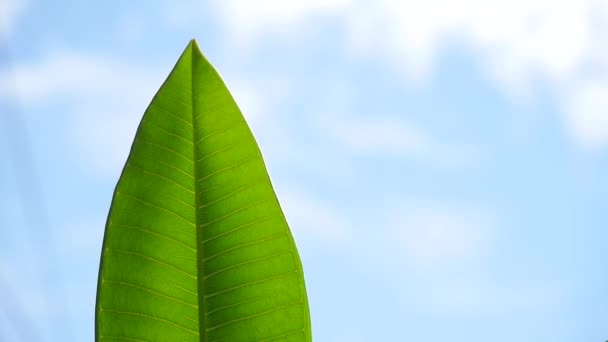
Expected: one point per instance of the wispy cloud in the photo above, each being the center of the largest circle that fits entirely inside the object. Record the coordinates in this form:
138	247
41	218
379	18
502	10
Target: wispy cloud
246	20
76	76
521	44
393	137
587	113
99	98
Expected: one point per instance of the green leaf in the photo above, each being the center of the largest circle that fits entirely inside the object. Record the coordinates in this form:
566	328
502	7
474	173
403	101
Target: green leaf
196	247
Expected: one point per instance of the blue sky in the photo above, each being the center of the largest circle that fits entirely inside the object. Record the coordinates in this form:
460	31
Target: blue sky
442	164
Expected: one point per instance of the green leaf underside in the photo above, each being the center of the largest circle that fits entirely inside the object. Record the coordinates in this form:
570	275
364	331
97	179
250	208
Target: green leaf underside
196	246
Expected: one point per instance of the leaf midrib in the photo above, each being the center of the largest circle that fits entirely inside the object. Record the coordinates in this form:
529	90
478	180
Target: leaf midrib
202	303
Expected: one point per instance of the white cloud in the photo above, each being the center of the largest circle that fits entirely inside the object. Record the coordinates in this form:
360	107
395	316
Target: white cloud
77	76
394	137
10	11
246	20
101	100
558	43
587	114
553	37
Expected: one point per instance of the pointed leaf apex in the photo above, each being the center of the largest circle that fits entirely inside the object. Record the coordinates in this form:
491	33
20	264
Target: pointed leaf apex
176	264
195	46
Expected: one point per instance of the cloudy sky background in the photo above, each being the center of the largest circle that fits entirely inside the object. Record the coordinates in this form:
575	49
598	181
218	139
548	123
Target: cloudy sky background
443	165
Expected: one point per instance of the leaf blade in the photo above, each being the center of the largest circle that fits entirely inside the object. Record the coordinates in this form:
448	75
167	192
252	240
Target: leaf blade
194	215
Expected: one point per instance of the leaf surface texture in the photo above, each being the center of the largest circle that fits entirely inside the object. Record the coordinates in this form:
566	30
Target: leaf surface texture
196	247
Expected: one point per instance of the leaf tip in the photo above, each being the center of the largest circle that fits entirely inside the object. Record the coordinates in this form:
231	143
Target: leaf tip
194	44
